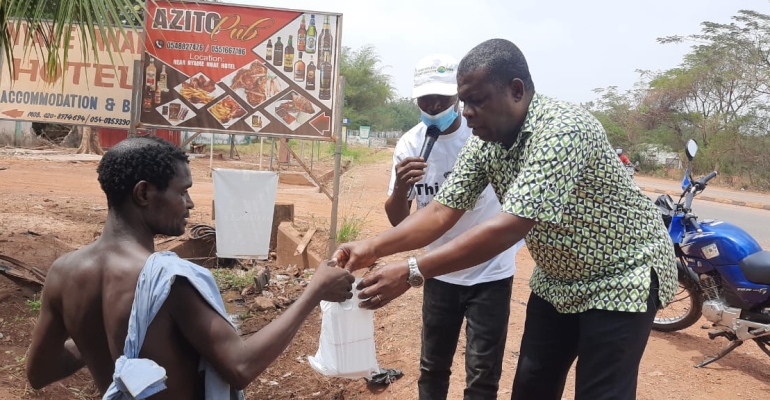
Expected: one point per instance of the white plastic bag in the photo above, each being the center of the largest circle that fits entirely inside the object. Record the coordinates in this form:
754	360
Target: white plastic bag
346	346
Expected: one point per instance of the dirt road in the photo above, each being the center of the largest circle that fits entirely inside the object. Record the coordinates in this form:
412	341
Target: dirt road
49	207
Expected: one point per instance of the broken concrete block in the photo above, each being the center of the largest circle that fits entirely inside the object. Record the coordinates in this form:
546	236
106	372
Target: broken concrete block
282	212
288	239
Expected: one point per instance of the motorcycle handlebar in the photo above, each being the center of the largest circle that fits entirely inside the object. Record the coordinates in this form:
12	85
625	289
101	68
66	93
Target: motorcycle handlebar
700	184
692	219
708	177
689	193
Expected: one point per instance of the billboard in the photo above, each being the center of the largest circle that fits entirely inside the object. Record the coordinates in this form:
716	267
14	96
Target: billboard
241	70
94	90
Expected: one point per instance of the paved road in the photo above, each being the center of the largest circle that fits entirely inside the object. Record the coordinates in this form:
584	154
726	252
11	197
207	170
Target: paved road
755	221
712	193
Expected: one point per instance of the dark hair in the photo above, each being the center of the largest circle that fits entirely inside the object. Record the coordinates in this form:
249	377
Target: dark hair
501	60
136	159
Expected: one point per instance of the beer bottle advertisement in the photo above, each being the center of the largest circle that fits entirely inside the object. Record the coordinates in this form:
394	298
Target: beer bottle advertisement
310	75
240	69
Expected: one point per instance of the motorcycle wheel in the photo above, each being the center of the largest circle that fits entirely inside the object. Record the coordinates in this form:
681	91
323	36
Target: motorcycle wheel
688	296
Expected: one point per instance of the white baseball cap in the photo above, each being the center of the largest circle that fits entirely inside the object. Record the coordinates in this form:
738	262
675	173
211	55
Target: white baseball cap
435	74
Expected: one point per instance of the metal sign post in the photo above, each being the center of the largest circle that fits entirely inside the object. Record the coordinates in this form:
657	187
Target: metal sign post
337	165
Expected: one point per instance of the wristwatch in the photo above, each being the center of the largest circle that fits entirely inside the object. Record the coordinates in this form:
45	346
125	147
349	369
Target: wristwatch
415	277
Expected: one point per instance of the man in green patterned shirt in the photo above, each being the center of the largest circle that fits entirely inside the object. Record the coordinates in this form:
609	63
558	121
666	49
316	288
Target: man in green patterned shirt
604	261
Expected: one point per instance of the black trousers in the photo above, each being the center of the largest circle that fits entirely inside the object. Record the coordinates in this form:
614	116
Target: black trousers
486	308
608	346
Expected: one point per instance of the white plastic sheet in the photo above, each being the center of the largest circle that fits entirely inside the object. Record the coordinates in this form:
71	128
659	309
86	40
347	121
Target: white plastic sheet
346	346
243	207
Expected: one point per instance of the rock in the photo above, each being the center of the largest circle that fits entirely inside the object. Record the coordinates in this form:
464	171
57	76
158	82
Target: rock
282	301
263	304
282	278
247	291
293	270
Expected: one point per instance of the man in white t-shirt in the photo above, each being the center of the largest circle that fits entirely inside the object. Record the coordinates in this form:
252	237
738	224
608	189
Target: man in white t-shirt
480	294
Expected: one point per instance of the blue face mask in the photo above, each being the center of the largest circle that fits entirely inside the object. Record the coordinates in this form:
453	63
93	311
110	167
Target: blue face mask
442	120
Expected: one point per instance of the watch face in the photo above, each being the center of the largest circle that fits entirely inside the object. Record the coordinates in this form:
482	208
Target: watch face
416	280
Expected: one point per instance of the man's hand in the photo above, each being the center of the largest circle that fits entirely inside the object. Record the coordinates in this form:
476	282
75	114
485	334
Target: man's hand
332	284
355	255
408	172
405	174
384	286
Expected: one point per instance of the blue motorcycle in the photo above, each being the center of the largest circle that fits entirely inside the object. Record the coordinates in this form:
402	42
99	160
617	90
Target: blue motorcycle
724	274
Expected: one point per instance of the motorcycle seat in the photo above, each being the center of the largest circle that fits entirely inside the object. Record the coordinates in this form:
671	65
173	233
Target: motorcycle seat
756	267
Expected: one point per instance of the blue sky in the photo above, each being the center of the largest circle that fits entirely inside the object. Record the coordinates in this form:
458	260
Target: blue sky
572	46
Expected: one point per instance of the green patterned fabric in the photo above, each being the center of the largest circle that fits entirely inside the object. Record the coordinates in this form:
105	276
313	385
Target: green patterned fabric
597	235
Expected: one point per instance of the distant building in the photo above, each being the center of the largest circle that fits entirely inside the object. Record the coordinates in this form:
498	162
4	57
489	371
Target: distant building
659	155
17	134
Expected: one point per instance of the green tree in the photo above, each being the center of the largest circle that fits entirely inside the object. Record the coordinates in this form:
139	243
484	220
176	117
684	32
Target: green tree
405	114
718	94
367	88
370	98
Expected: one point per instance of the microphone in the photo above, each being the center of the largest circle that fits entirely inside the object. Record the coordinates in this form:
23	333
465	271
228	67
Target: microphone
430	139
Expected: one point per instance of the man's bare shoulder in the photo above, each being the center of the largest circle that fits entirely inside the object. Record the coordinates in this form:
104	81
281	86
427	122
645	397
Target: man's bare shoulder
63	265
61	273
75	261
95	262
71	259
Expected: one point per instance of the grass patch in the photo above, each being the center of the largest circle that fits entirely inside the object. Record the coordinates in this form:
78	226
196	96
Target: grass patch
350	228
356	154
35	304
352	224
233	279
360	155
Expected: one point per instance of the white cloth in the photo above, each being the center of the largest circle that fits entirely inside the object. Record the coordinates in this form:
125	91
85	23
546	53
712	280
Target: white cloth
440	162
140	378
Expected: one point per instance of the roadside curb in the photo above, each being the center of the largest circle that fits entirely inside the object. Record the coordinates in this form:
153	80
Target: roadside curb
760	206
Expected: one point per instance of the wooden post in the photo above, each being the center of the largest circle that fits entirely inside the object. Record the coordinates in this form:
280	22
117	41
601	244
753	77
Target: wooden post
283	153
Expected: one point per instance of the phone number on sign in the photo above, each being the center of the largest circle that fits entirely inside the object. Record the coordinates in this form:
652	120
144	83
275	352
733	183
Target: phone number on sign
110	121
61	117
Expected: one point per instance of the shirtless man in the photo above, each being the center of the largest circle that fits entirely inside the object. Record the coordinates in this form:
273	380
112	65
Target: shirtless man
88	294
